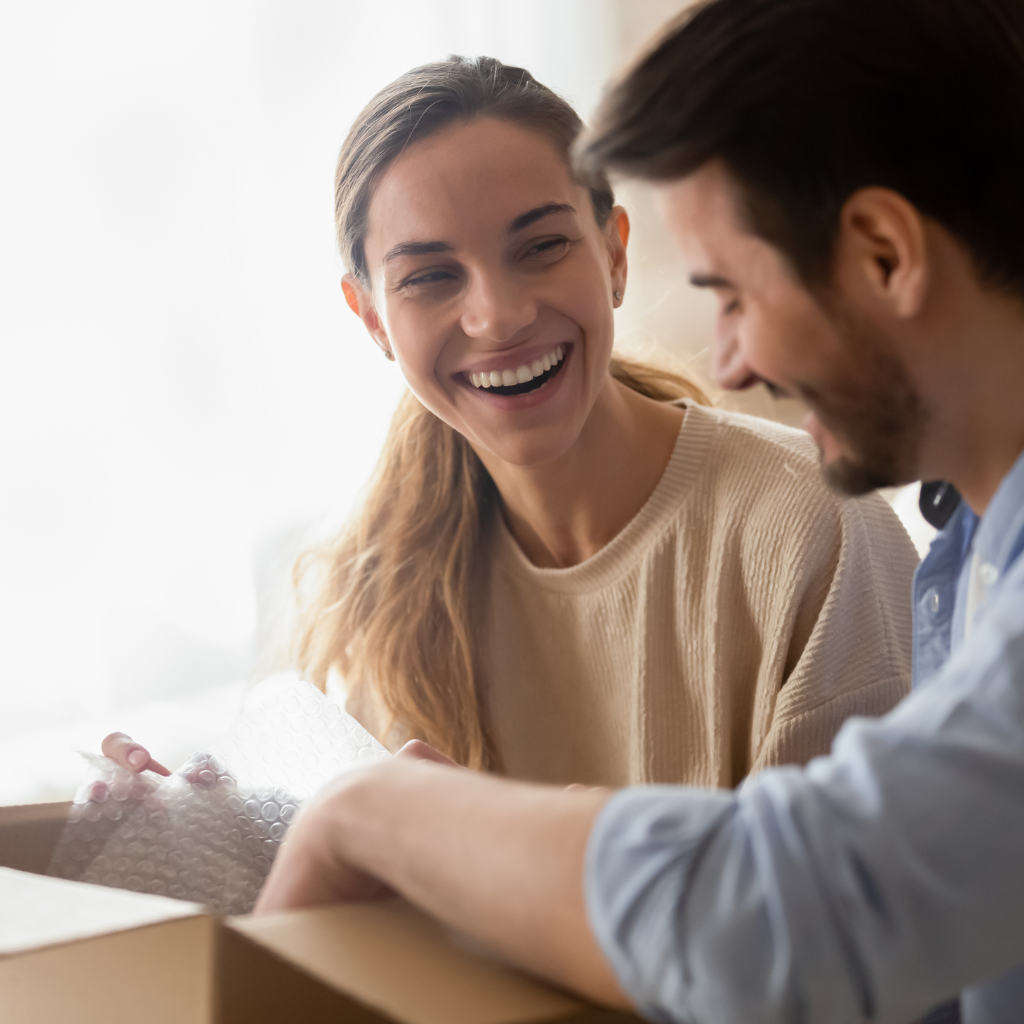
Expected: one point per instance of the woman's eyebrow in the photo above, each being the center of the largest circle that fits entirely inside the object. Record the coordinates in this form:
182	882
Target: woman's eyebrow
524	220
416	249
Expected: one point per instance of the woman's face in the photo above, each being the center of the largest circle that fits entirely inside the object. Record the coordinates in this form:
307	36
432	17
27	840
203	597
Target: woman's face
492	284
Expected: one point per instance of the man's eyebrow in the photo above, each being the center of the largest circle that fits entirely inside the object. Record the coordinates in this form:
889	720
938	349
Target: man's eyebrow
524	220
416	249
710	281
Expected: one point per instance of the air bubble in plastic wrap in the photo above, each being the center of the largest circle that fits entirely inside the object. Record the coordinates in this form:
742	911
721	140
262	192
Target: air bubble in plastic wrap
210	831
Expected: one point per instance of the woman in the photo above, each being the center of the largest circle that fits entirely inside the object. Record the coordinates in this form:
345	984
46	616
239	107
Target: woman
569	567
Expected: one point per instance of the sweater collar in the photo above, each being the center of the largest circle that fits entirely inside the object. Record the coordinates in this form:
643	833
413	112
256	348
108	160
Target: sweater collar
628	546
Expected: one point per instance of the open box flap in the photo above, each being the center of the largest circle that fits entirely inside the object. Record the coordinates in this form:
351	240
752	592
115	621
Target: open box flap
365	963
392	957
40	911
29	833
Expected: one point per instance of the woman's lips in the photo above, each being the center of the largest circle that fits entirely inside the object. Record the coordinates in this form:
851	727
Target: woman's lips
528	393
521	372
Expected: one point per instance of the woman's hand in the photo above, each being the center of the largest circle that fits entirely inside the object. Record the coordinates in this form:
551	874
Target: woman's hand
123	750
417	750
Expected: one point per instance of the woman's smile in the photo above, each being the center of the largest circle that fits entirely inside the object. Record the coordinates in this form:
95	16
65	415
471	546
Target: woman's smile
532	379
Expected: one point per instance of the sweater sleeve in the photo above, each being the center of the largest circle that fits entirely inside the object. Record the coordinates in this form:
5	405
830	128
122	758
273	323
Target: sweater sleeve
850	648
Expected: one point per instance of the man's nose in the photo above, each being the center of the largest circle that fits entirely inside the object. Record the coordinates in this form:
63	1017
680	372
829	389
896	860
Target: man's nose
496	309
730	365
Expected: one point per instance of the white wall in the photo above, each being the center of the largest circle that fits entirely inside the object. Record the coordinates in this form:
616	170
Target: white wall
180	381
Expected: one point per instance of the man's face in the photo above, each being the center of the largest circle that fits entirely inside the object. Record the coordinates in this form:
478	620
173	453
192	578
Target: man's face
865	417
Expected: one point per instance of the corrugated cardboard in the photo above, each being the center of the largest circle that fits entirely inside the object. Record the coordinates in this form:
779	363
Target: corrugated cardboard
74	952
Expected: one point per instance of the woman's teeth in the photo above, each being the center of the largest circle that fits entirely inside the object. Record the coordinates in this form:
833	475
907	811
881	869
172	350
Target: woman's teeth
521	374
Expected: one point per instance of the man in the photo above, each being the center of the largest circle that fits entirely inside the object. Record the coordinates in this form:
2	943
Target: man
848	176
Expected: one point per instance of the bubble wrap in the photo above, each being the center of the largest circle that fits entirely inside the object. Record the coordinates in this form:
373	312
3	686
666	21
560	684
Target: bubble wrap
210	831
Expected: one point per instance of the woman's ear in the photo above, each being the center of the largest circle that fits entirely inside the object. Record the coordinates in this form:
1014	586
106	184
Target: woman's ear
882	250
617	235
360	301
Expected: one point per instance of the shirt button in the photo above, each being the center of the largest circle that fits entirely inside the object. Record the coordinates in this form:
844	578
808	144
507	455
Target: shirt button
931	602
988	573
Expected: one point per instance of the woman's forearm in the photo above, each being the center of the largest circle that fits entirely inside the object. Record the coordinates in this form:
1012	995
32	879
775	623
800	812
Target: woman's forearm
499	860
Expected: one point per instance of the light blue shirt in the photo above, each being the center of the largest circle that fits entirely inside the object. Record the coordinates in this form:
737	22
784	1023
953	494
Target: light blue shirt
876	882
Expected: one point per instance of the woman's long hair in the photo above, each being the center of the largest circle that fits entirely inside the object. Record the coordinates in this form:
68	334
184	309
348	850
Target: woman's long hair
387	603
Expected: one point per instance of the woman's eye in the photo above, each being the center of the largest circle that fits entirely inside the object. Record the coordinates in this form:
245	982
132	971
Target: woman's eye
431	277
732	306
546	248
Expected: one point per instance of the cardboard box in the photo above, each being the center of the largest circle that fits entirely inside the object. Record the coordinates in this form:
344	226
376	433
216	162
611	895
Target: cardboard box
84	953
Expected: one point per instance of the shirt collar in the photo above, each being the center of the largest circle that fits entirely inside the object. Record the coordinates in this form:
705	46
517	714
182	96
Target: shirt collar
1000	536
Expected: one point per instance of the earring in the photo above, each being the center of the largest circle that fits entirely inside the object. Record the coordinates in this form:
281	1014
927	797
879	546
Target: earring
388	354
617	296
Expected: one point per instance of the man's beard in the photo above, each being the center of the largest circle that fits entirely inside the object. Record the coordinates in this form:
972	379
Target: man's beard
877	415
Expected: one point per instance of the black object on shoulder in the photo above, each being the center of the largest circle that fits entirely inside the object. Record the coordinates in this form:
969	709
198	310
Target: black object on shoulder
938	502
948	1013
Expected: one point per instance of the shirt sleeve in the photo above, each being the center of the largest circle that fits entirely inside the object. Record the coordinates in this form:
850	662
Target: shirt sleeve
872	884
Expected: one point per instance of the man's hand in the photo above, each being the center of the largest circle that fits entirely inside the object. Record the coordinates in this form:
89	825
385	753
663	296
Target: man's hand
308	870
502	861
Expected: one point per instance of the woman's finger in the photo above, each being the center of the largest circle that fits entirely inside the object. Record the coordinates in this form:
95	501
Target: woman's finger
417	750
122	749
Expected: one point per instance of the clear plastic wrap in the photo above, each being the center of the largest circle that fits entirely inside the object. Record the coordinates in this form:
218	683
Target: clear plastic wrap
210	831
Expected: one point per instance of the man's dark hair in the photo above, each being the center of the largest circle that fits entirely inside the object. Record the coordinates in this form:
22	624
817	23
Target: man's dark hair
806	101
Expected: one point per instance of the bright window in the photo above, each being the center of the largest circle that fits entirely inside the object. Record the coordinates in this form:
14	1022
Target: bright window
183	391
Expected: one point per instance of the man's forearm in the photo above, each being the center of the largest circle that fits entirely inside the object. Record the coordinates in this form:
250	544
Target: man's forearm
502	861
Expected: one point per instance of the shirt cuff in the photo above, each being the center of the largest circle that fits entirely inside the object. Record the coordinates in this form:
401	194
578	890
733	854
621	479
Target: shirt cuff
643	848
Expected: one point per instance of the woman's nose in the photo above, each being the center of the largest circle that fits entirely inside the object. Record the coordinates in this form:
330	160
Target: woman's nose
496	310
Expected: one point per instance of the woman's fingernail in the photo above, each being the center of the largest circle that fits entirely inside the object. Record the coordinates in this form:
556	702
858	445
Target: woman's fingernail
138	759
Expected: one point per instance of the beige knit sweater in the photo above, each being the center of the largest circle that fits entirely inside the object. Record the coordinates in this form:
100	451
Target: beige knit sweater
734	623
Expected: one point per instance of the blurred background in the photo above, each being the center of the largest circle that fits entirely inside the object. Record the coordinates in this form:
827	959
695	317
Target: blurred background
183	394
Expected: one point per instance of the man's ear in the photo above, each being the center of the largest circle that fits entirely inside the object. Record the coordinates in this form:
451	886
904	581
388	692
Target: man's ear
360	301
617	234
883	245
